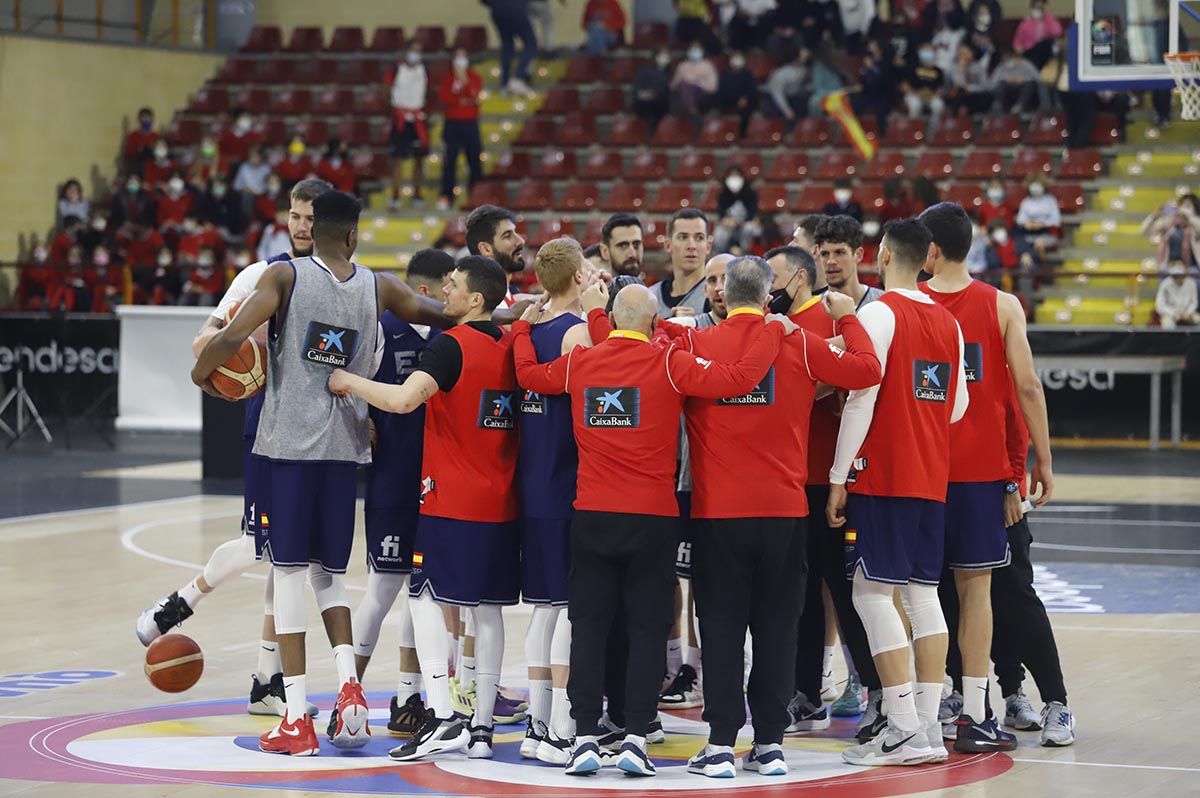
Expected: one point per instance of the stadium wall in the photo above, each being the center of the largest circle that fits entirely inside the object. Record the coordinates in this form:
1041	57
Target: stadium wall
66	108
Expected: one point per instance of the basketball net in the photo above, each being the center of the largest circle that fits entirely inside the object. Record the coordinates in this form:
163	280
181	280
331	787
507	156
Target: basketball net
1185	68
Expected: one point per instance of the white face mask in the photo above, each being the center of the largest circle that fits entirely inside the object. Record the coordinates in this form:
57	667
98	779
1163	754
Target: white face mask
735	183
1037	13
1036	190
1000	236
243	123
995	194
842	195
241	260
663	61
164	259
204	261
161	153
461	62
99	224
926	56
870	229
413	58
175	185
737	63
695	55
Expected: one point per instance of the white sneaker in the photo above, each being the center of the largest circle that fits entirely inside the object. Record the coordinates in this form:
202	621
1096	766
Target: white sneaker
1058	725
766	760
535	732
714	761
1019	714
480	745
554	750
585	759
937	747
167	613
633	760
892	747
828	688
806	716
518	86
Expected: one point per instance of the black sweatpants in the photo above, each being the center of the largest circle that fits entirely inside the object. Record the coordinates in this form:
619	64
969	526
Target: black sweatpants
1021	631
461	137
827	561
620	562
748	573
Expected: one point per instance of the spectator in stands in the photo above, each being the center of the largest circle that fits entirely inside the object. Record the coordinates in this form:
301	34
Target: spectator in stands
409	136
511	18
132	204
977	255
945	41
71	201
175	202
195	236
651	90
160	282
140	249
737	91
693	22
944	15
237	140
335	168
925	193
158	169
251	178
896	202
843	203
908	27
1015	83
752	21
71	292
96	233
139	144
788	88
857	17
266	203
762	234
205	282
737	204
826	75
983	17
923	88
460	98
67	237
1176	303
207	164
994	207
106	279
621	246
969	82
223	210
875	88
1175	230
275	235
604	24
296	166
821	22
694	83
1038	220
783	43
1037	33
1001	252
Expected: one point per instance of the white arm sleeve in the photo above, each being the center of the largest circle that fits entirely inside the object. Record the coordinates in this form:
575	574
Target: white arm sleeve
961	397
243	285
880	324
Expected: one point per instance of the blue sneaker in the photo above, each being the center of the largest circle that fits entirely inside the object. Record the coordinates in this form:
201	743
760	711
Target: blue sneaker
853	701
585	759
979	738
633	760
766	759
714	761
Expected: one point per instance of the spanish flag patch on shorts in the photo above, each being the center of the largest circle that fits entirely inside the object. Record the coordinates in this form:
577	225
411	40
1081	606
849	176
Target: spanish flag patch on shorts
418	559
263	520
851	536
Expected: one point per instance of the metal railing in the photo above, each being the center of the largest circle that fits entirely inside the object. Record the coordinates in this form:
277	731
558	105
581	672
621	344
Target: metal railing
172	23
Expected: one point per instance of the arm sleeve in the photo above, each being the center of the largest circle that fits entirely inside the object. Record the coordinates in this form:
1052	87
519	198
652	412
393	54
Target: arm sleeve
695	376
599	325
880	323
961	397
442	360
546	378
855	368
1016	439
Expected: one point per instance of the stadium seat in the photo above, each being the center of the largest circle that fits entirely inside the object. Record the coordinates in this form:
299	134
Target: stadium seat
605	100
209	100
560	100
550	229
472	38
647	165
749	162
312	71
488	192
346	39
376	100
370	165
603	165
708	203
557	165
354	132
623	70
763	132
581	196
695	165
788	166
273	70
810	133
534	196
363	72
275	133
671	197
650	35
1070	196
306	39
1080	165
719	132
982	165
387	39
869	196
235	70
813	197
625	196
578	130
263	39
1047	130
835	164
885	165
1027	161
1000	131
673	131
253	100
934	164
512	165
1105	130
968	195
291	102
904	131
761	66
627	131
431	37
772	198
952	131
456	229
584	69
537	132
184	132
592	230
313	132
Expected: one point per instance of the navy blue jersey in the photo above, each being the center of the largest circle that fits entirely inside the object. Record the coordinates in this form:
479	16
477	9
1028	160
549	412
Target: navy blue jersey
394	478
548	460
254	404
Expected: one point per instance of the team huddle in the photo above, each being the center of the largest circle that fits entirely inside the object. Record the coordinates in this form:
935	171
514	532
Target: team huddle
799	446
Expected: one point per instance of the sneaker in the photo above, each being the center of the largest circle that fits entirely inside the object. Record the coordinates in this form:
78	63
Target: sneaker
508	711
891	747
766	759
514	698
828	688
295	738
585	759
1019	714
633	760
686	692
852	701
269	698
873	720
948	712
349	718
518	86
1058	725
933	738
480	746
655	733
806	716
462	699
535	732
554	750
436	736
407	719
611	735
714	761
165	615
978	738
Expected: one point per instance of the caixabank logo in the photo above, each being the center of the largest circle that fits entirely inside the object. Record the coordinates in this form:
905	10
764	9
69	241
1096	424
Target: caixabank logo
930	380
329	345
612	407
496	410
762	394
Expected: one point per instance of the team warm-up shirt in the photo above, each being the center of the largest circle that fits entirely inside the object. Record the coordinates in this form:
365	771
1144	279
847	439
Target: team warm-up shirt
626	397
825	418
923	391
470	447
977	446
1016	439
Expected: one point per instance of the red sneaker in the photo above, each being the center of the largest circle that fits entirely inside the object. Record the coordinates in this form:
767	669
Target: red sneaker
351	730
295	738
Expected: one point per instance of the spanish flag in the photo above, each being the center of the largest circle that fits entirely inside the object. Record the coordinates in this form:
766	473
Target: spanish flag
418	559
851	536
837	106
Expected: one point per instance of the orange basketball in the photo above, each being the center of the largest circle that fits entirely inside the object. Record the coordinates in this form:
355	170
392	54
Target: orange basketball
244	374
174	663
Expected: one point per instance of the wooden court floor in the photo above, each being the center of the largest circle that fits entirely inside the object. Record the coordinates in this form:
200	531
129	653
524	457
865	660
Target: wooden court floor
78	717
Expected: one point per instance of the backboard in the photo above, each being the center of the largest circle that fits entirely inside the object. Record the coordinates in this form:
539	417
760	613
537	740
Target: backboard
1119	44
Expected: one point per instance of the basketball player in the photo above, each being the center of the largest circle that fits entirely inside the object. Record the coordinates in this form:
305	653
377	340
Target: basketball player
621	245
894	518
546	469
235	557
993	326
393	499
492	233
467	549
681	293
323	311
839	250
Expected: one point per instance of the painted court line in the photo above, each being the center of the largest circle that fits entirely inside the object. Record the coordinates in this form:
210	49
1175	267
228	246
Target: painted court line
1111	549
1106	765
103	508
1144	630
1123	522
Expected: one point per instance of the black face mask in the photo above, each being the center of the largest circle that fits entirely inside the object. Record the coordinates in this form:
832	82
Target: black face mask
781	300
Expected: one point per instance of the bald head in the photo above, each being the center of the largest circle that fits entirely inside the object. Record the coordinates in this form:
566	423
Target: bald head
714	283
634	309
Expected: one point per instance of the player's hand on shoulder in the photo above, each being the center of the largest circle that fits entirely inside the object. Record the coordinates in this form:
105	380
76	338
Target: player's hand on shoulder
596	296
535	309
683	311
339	382
789	326
837	304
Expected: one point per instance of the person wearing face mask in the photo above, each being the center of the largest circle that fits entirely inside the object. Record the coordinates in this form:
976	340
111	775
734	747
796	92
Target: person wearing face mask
460	98
175	202
96	233
204	283
737	91
251	178
1015	83
266	202
787	89
409	136
206	164
1176	302
604	24
737	204
650	91
67	237
1039	220
296	165
144	251
335	168
969	81
237	140
924	86
131	202
1174	229
156	170
995	205
223	209
106	280
194	236
1000	254
843	203
139	143
1036	34
983	16
694	83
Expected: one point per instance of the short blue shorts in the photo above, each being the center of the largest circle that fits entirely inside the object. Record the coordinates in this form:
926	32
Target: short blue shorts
895	540
975	535
466	562
545	560
391	532
312	514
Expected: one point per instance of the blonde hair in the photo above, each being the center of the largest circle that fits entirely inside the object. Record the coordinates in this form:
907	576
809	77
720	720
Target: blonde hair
557	263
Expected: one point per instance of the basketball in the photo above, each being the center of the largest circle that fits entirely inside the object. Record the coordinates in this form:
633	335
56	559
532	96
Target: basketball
244	374
174	663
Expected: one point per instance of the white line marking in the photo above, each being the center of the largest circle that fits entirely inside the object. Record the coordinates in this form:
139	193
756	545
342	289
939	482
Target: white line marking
104	508
1150	522
24	717
1147	629
1077	508
1105	765
1111	549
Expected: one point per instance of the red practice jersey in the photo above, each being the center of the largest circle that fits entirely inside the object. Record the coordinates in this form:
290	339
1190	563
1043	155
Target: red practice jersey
823	424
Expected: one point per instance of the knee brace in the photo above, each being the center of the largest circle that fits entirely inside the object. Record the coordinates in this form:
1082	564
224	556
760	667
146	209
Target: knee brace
382	590
537	636
290	615
873	601
489	639
328	588
269	598
232	558
924	610
560	644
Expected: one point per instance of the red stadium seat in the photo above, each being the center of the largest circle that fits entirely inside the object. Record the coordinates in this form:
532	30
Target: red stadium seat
750	162
869	125
1000	131
431	37
934	164
813	197
584	69
1070	196
904	131
354	132
534	196
560	100
387	39
810	133
789	166
235	70
968	195
1047	130
592	231
290	102
1080	165
456	229
512	165
578	130
952	131
275	133
772	198
605	100
763	132
836	165
671	197
557	165
627	131
673	131
761	66
719	132
184	132
869	196
472	38
489	192
363	72
1105	130
650	35
581	196
209	100
375	101
648	165
695	165
272	71
550	229
370	165
885	165
711	198
654	233
625	196
263	39
982	165
537	132
313	132
623	69
253	100
603	165
1027	161
346	39
306	40
311	71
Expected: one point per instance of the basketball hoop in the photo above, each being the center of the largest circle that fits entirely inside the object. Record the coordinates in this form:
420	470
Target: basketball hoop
1185	68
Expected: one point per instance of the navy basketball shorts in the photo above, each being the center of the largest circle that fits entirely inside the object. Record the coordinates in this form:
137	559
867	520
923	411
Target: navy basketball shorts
466	562
312	514
895	540
687	535
391	532
545	560
975	535
256	496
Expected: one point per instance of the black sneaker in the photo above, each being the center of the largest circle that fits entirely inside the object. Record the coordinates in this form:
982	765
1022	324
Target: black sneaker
535	732
435	736
164	616
978	738
331	729
408	719
655	733
685	692
480	746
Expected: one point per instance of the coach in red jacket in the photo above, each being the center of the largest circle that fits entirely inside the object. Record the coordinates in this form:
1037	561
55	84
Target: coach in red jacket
459	95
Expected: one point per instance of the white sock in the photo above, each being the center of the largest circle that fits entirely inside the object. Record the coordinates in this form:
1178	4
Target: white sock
849	659
268	660
343	659
297	697
191	593
466	672
901	707
674	655
429	629
540	700
827	660
929	699
459	642
562	725
410	685
692	657
974	696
